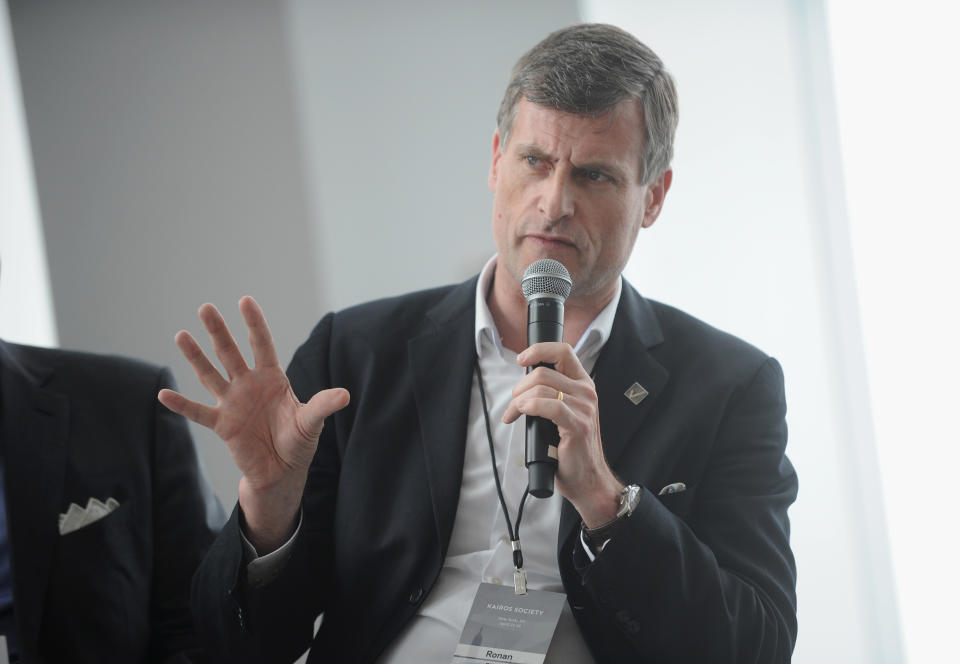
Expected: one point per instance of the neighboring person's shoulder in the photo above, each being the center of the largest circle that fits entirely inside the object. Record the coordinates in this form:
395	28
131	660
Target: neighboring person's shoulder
73	368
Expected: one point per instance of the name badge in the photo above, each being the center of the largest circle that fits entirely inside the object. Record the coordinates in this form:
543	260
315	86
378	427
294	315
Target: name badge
506	627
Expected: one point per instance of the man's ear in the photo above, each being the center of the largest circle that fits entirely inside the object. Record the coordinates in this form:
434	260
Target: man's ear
656	192
494	161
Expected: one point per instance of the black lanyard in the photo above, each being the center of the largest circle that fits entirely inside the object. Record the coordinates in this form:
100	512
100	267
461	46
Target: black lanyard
519	574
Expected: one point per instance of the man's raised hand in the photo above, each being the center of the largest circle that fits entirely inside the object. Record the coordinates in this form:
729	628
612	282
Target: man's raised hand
271	435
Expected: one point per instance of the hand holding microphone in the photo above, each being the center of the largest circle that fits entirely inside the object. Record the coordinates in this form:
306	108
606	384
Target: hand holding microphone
546	284
561	406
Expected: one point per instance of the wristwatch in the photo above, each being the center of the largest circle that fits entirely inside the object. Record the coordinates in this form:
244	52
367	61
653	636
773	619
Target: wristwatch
598	537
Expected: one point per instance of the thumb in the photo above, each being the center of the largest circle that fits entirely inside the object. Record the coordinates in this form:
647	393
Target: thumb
321	405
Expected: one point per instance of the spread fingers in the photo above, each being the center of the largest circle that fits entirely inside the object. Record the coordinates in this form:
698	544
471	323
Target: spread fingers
193	411
209	377
224	345
261	341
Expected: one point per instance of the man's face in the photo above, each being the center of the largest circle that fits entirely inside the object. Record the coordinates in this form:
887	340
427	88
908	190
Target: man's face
568	187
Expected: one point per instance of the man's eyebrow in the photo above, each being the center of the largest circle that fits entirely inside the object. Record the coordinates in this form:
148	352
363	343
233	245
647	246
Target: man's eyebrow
531	150
610	168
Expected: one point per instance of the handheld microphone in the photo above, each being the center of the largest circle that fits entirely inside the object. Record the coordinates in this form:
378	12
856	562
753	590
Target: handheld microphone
546	284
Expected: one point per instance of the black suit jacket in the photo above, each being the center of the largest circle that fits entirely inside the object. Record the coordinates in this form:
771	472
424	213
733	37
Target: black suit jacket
702	575
76	426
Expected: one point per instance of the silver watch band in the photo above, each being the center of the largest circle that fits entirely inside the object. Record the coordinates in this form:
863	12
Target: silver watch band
629	498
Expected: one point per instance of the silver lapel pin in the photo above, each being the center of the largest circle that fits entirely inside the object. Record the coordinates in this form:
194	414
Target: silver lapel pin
636	393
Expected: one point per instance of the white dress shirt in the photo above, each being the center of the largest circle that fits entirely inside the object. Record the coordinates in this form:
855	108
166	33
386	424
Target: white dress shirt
480	549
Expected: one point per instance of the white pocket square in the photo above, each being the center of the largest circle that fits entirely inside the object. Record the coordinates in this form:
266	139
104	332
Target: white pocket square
676	487
77	517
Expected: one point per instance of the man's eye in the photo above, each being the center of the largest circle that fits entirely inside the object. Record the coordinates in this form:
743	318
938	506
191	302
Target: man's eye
596	176
532	161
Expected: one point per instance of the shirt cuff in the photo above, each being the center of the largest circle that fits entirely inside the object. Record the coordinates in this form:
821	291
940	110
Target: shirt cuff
589	549
261	570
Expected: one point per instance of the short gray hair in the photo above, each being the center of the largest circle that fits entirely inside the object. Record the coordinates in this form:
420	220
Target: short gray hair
588	69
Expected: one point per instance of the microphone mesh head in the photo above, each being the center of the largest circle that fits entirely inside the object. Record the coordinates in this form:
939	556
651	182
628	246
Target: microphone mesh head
546	278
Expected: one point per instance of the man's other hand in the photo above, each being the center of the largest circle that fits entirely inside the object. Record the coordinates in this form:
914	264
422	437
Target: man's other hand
271	435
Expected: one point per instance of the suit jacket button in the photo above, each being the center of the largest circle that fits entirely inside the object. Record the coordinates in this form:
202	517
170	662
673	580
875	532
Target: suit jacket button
416	595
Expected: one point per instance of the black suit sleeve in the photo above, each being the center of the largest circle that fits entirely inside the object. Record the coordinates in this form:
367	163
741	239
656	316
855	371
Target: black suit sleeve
705	574
186	517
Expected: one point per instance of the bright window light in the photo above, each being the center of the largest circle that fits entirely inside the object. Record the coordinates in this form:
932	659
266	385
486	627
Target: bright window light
899	118
26	305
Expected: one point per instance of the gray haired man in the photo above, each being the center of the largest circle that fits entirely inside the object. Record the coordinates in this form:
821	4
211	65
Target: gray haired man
383	475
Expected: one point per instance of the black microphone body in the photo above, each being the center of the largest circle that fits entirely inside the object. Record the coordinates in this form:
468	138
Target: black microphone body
544	323
546	285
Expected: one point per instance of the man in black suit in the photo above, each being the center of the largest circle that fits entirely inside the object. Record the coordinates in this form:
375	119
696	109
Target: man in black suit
368	493
107	511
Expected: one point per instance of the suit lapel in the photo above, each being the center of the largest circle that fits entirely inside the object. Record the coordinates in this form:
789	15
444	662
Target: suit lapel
441	359
35	422
624	360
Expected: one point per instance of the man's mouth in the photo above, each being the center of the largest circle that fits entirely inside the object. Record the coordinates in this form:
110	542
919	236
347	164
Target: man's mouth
550	240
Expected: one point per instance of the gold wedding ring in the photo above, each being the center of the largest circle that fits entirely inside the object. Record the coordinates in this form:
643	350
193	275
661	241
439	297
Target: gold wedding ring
559	395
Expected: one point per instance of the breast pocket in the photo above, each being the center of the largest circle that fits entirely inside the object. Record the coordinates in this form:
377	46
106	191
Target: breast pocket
94	531
99	584
679	500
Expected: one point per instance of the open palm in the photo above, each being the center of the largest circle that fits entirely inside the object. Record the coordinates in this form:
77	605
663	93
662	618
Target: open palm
271	435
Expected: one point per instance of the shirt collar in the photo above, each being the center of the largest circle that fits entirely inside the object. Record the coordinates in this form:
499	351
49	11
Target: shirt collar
590	342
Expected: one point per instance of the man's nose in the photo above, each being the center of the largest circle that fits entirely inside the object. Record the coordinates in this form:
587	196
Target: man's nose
556	197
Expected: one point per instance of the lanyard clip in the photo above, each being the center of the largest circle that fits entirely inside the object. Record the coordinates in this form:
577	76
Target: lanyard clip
519	574
520	581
